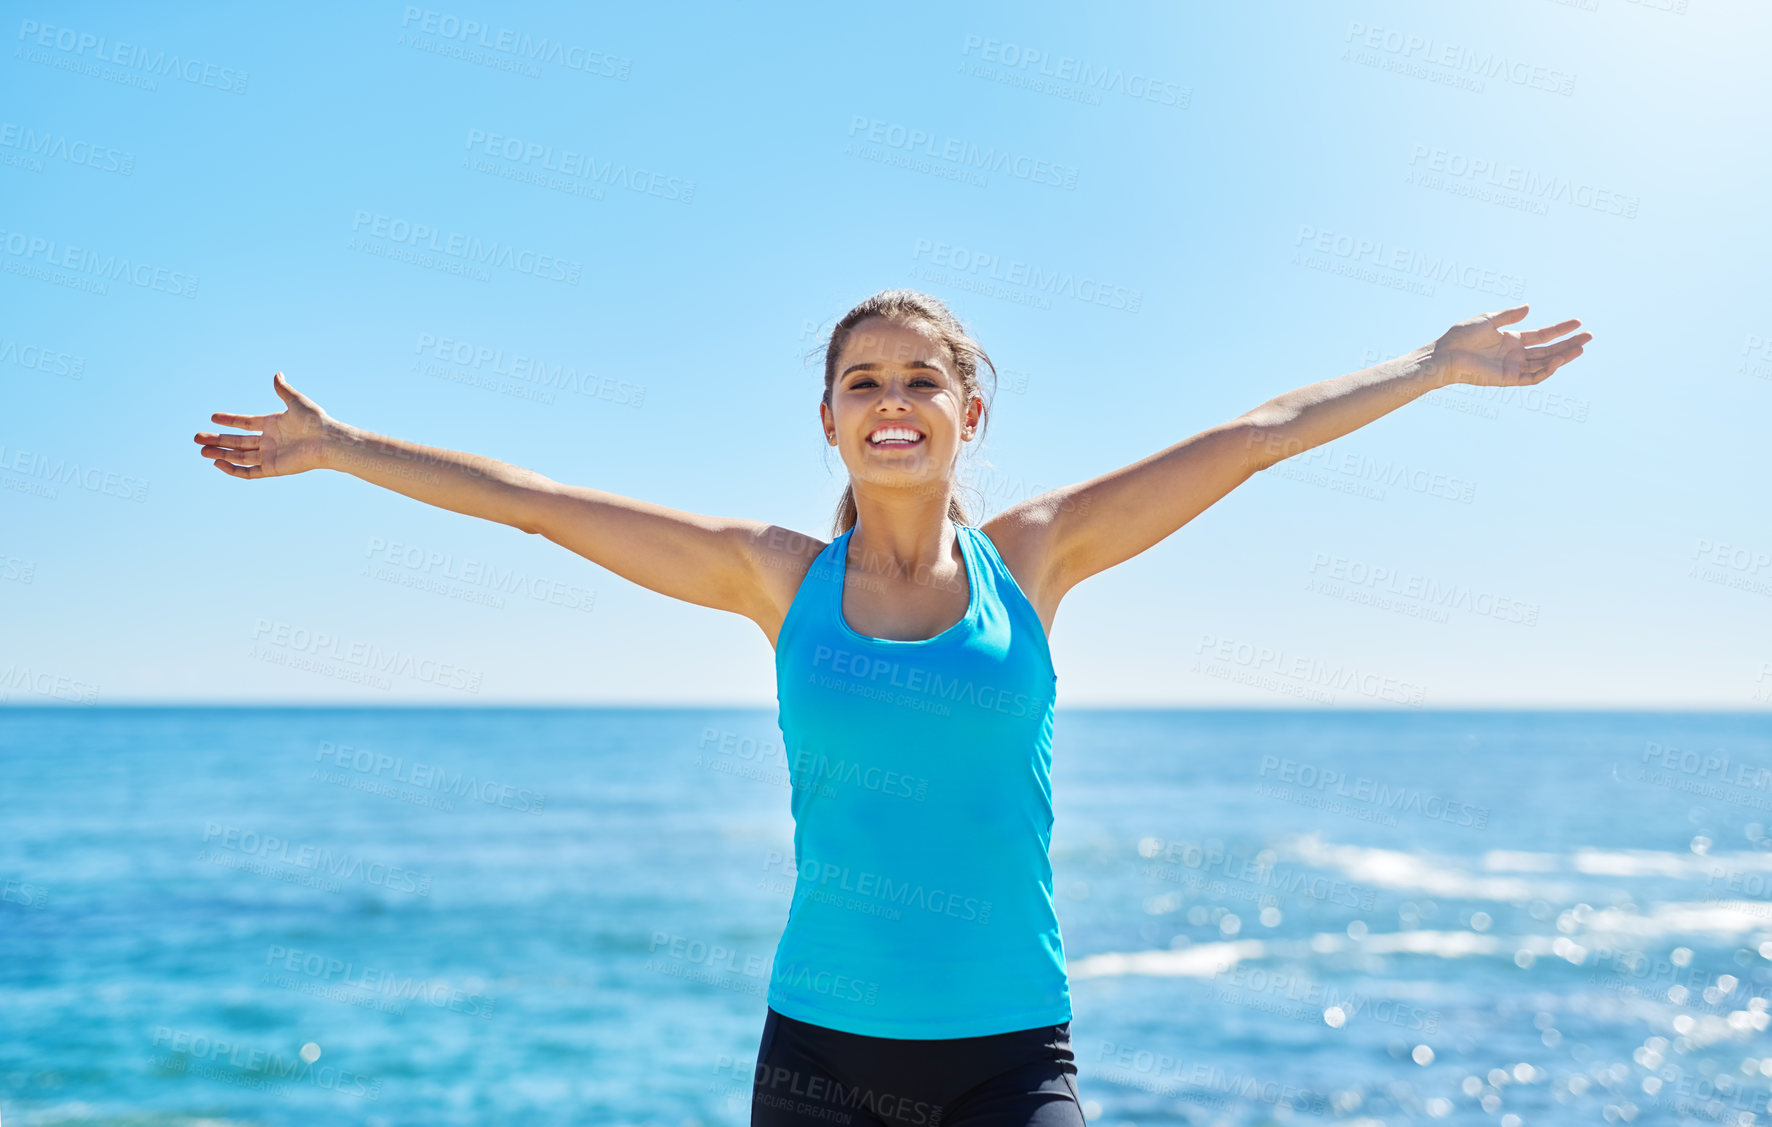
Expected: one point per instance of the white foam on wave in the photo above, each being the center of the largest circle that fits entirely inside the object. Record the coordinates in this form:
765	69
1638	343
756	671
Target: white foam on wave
1660	863
1520	861
53	1113
1719	917
1206	960
1442	944
1448	876
97	1116
1415	872
1629	862
1203	960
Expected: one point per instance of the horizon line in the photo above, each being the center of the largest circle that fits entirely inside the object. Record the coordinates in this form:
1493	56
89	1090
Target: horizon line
694	706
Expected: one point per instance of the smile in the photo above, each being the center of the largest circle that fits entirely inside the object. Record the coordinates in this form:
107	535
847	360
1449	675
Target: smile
894	436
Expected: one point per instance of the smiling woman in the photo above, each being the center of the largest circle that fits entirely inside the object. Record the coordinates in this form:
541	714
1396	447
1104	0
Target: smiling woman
921	959
907	338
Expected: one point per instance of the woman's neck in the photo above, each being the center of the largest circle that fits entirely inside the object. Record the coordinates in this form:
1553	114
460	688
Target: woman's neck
909	534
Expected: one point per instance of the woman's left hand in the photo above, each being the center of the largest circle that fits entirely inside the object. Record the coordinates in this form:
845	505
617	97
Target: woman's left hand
1479	351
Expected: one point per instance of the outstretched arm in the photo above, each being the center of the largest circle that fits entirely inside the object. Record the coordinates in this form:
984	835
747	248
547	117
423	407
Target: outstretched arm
710	561
1089	527
1474	351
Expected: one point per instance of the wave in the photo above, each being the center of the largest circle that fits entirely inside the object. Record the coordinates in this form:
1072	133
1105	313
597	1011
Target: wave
1728	919
1746	872
1720	917
1206	960
1415	872
90	1115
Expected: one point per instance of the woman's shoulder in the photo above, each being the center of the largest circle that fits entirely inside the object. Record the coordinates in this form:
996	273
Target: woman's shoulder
1019	537
781	558
1014	537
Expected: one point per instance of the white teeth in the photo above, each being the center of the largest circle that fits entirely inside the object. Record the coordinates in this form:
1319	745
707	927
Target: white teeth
891	434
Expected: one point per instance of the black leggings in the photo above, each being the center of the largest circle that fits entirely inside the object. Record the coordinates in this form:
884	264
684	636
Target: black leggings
808	1074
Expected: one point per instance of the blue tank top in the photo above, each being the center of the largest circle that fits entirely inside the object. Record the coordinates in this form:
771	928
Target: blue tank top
922	803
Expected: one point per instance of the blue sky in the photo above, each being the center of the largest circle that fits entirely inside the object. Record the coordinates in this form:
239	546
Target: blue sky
1234	200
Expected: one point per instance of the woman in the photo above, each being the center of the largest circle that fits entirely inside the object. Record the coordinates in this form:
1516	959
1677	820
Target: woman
921	976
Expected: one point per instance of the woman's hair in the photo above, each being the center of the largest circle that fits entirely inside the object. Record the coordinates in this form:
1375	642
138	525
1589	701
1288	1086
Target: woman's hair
915	309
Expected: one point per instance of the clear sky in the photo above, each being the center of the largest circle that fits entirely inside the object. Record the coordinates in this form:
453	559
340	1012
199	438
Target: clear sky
1219	202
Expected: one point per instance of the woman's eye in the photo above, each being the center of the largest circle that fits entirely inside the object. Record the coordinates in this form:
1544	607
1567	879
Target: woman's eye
868	381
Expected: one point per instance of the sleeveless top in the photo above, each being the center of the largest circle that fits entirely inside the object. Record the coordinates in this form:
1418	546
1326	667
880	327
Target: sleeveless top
922	803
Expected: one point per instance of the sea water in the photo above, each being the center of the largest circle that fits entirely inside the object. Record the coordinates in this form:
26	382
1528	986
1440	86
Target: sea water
566	916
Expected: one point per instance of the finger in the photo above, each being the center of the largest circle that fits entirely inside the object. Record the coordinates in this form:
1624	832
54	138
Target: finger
1506	316
231	441
1555	364
1545	351
1542	371
290	396
239	471
1539	336
238	457
244	422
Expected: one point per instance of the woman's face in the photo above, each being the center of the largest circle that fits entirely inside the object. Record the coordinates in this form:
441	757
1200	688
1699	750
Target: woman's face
892	377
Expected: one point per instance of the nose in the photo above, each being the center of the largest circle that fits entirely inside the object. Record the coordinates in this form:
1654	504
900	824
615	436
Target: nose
892	395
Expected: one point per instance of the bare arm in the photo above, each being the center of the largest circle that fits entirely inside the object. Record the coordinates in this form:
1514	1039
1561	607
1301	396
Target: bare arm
710	561
1322	412
449	479
1084	529
1474	351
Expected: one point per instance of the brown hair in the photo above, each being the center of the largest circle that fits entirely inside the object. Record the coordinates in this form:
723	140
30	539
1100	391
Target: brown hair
912	308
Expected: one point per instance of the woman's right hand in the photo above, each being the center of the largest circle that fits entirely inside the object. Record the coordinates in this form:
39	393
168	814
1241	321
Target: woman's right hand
291	441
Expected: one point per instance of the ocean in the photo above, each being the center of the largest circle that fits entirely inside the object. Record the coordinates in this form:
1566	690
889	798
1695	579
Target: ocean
566	916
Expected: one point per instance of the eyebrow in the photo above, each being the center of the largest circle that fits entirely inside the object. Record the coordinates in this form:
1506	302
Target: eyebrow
870	366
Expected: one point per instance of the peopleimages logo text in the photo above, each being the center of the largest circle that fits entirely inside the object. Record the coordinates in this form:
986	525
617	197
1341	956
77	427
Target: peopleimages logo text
573	164
961	152
132	57
1015	272
467	247
515	43
250	843
865	668
107	267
